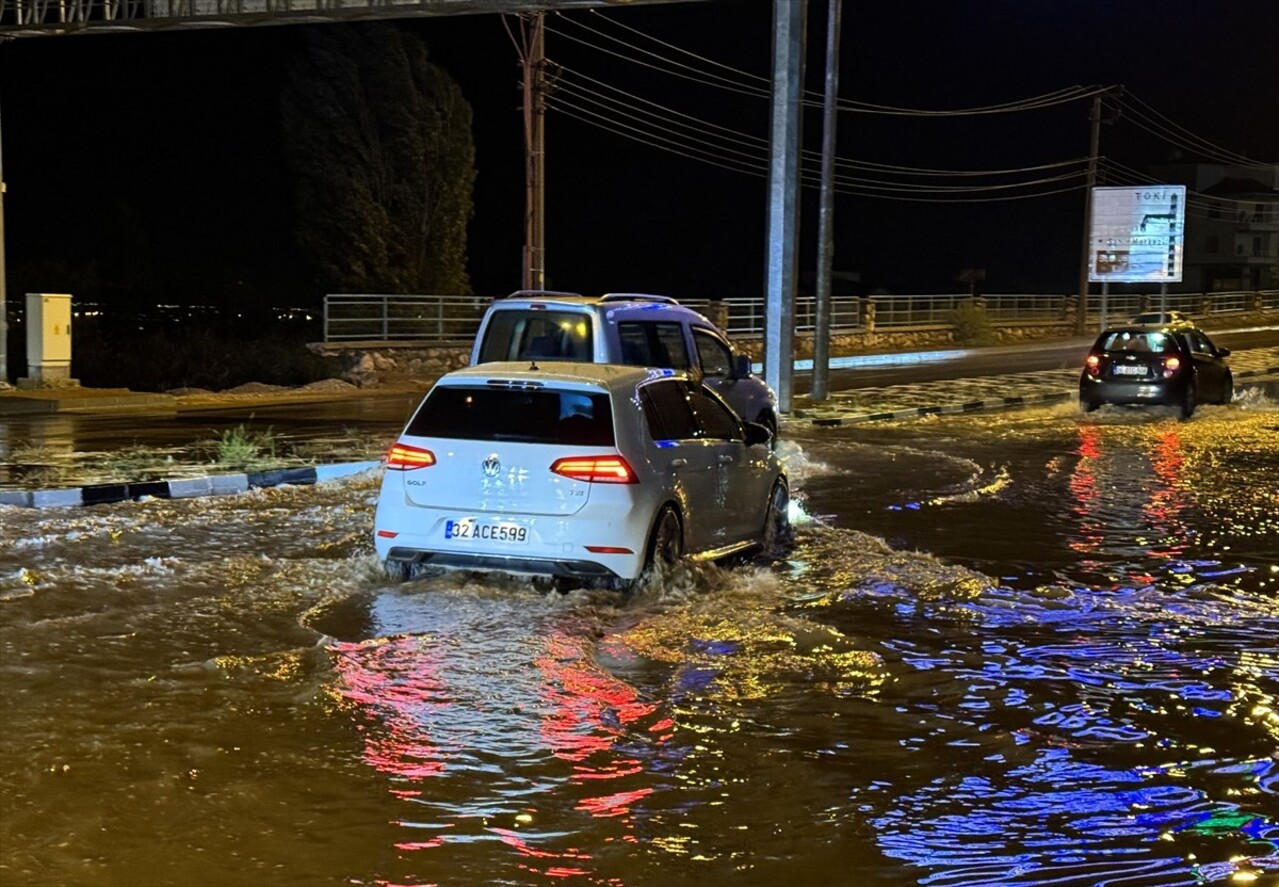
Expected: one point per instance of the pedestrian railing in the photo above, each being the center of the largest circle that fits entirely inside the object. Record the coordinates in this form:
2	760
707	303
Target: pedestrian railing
390	317
457	318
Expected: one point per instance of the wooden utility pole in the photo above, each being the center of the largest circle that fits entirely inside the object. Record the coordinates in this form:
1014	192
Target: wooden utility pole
533	57
1081	310
826	213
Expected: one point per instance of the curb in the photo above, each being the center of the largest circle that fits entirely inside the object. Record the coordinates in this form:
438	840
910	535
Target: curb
972	406
186	488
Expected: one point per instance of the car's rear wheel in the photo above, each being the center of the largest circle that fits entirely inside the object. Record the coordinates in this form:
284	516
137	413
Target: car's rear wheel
1087	404
1228	389
666	546
1187	406
777	519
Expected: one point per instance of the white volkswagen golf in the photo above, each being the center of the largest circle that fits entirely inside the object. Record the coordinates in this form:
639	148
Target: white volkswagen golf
589	472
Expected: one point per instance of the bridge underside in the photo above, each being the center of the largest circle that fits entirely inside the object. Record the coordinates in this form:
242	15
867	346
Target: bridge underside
31	18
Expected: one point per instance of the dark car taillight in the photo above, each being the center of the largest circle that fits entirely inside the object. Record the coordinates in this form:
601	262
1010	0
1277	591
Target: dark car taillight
1171	366
403	457
1093	365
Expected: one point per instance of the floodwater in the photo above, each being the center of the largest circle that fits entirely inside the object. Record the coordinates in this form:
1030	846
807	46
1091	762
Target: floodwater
1019	649
45	451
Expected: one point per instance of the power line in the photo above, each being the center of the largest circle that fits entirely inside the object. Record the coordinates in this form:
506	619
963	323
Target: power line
1146	117
715	155
611	108
735	84
744	144
737	80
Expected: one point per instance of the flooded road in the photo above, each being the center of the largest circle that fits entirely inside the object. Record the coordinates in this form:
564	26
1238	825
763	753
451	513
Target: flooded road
1020	649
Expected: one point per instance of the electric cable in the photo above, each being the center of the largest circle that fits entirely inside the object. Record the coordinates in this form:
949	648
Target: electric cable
705	78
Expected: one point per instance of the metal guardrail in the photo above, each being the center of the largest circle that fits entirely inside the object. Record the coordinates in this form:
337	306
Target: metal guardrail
746	315
349	316
456	318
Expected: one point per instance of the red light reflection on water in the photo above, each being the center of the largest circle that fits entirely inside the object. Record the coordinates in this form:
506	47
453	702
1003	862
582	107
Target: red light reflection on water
595	723
395	678
1083	487
589	707
1166	502
591	712
1119	489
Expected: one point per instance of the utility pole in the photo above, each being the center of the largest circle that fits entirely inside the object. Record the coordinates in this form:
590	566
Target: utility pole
533	56
1081	311
826	213
783	198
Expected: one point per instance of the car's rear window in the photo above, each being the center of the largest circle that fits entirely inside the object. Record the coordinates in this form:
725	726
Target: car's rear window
537	335
531	415
1139	342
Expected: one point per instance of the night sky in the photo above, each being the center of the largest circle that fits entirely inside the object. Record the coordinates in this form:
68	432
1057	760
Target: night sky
163	149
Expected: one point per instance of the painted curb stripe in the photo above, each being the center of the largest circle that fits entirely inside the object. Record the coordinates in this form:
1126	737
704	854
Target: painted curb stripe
916	412
279	476
184	488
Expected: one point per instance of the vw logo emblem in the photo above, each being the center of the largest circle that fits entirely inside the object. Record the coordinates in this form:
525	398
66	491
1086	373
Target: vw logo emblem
491	466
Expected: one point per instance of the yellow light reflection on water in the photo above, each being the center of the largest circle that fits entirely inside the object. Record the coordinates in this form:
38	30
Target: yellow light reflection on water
744	646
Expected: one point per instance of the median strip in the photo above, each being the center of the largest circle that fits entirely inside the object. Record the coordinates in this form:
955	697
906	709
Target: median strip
184	488
973	406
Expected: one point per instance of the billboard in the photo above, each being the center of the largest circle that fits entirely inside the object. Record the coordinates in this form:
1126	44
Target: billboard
1136	234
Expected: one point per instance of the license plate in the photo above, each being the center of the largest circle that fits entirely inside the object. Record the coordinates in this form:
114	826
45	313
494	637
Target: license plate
471	530
1128	369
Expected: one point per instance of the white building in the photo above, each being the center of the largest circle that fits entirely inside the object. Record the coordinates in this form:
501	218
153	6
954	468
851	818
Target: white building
1232	225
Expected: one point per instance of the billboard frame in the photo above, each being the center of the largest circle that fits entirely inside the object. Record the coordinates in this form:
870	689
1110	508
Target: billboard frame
1137	234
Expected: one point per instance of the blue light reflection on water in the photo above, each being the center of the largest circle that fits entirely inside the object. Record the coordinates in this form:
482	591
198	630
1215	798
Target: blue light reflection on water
1063	822
1117	696
1085	697
1106	710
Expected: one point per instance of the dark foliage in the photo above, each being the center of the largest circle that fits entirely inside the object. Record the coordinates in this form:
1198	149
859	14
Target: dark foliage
379	142
216	359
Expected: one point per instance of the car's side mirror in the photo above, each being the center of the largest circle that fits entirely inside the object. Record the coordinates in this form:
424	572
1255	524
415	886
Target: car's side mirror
1223	352
741	366
757	434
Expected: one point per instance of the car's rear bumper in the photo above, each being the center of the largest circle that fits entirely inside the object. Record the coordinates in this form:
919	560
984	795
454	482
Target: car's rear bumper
1134	393
605	538
517	566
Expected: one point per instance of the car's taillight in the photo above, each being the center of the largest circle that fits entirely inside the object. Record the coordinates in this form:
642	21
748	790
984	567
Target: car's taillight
1171	365
403	457
596	469
1093	365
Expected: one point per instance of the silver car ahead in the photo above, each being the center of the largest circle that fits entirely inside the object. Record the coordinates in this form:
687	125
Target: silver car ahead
628	328
590	472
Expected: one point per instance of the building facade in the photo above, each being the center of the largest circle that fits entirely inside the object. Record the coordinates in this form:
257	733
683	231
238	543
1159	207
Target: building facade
1232	225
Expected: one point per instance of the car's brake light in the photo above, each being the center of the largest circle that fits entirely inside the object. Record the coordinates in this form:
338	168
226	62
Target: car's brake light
1171	365
1093	365
403	457
596	469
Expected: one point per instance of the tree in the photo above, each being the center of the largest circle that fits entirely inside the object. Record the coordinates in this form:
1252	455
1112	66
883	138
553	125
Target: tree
378	141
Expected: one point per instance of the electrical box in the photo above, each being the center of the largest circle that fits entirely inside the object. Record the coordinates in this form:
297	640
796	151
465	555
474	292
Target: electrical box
48	337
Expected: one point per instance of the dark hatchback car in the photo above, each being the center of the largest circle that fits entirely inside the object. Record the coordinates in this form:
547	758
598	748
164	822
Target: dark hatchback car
1170	366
